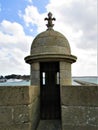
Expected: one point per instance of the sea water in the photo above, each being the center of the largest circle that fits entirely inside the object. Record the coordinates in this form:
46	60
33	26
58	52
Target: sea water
92	79
27	83
16	83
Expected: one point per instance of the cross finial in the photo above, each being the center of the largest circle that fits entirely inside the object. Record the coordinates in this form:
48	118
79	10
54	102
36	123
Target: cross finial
50	19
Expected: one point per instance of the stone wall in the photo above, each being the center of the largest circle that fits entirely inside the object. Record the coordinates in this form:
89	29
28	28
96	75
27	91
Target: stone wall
19	107
79	107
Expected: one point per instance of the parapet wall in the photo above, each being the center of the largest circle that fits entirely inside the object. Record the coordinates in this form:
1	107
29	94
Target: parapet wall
79	107
19	107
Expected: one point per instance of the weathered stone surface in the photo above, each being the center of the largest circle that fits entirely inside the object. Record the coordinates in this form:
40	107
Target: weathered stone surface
49	125
5	115
34	92
14	95
48	45
79	107
65	73
19	107
35	81
35	66
65	66
35	113
70	127
51	40
25	126
21	114
79	95
66	81
35	74
80	116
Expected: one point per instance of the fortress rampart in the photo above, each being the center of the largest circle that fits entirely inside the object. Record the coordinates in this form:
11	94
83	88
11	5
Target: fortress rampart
20	109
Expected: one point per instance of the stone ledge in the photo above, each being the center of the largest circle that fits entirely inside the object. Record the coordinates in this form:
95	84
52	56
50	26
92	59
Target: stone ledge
17	95
79	95
70	127
25	126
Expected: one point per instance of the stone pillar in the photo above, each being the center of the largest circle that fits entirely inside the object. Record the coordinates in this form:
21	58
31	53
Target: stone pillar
65	73
35	83
35	74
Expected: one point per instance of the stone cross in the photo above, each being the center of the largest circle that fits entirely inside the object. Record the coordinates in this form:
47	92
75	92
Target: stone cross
50	19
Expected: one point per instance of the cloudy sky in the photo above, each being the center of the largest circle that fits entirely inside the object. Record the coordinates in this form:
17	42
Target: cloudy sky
22	20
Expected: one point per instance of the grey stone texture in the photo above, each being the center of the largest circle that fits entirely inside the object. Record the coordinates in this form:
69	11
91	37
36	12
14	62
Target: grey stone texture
35	83
79	95
8	95
50	41
19	107
50	45
71	127
79	107
5	115
35	74
80	116
25	126
49	125
65	73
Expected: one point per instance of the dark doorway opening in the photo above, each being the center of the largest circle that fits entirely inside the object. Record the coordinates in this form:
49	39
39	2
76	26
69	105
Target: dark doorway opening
50	90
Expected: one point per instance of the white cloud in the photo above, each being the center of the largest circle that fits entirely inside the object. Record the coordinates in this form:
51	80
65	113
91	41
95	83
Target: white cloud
33	17
14	46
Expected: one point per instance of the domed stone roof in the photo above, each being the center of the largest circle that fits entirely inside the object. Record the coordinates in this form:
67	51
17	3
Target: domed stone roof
50	45
50	42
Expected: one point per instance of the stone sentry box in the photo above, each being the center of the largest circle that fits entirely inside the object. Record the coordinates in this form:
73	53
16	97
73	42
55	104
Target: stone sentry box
20	105
50	46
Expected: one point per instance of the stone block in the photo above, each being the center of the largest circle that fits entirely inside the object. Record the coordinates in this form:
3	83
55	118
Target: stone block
35	66
35	113
35	81
25	126
5	115
35	75
79	95
70	127
80	115
14	95
34	92
21	114
65	66
65	81
65	74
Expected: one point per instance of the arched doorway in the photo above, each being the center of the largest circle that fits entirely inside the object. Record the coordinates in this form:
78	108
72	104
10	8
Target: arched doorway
50	90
